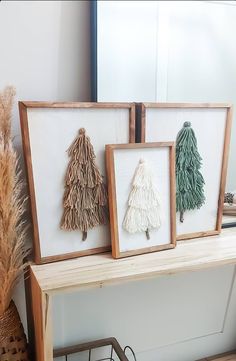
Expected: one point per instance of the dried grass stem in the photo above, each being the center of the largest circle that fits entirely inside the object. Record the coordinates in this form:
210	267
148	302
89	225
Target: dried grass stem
12	206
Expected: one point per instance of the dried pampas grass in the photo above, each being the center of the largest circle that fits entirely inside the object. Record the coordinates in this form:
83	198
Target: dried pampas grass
12	206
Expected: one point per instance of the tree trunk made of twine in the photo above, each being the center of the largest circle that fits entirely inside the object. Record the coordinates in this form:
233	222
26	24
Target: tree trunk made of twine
13	343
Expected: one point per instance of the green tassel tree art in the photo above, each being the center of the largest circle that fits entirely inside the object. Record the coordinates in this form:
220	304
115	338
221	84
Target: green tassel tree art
189	180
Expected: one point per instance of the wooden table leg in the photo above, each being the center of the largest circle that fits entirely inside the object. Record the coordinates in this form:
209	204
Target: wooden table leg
41	307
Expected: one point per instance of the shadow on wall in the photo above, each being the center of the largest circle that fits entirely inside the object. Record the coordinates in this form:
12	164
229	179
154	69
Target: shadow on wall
74	51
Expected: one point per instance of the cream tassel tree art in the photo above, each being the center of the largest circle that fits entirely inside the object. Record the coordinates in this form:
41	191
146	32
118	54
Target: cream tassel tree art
85	197
143	213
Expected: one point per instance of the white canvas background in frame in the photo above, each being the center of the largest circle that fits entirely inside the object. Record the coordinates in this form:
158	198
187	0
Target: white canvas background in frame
122	161
48	129
212	126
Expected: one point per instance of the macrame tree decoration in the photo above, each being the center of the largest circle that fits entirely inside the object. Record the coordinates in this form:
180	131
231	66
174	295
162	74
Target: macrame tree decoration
85	196
143	213
189	180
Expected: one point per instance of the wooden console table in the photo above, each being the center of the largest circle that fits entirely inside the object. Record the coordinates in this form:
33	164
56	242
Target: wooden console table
69	276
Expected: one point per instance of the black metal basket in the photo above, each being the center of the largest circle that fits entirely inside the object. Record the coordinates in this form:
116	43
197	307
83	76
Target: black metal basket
109	347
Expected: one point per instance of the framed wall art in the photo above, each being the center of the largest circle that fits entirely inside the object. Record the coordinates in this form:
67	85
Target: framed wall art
202	136
141	188
64	149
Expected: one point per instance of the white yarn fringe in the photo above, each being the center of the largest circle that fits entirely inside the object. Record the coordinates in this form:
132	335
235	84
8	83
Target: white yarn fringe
139	220
144	211
144	198
143	176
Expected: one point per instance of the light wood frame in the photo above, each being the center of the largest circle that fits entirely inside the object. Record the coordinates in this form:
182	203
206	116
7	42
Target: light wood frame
23	106
142	136
116	253
226	356
49	280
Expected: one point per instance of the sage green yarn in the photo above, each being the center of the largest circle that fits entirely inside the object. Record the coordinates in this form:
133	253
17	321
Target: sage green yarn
189	180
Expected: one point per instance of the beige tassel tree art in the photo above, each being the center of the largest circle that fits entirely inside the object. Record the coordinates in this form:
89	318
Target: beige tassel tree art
85	196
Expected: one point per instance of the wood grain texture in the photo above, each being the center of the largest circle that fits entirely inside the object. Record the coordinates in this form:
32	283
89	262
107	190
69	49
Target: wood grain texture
186	237
110	149
41	306
132	123
187	105
29	172
65	256
225	157
103	269
39	104
23	106
112	200
143	123
140	145
224	168
227	356
29	313
172	194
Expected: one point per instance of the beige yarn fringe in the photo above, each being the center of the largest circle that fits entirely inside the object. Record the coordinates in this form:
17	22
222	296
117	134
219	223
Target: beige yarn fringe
85	196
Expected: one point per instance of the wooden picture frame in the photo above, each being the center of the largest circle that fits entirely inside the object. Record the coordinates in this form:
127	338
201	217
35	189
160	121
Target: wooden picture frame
119	186
48	129
155	119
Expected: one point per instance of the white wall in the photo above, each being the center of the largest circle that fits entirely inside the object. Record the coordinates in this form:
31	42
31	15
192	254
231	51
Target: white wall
168	51
201	59
44	53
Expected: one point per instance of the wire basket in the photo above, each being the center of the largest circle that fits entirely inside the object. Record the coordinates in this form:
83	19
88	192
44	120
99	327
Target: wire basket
109	349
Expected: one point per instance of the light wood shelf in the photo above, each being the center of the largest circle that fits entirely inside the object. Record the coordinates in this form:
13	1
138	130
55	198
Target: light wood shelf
227	356
68	276
102	269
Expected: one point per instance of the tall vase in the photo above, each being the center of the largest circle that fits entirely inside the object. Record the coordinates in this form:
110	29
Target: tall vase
13	343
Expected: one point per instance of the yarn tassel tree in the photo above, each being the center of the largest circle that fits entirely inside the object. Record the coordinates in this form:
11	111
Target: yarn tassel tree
85	196
143	213
189	180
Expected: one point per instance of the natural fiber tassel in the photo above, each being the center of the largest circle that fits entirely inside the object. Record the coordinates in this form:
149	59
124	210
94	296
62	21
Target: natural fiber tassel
189	180
85	196
143	213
